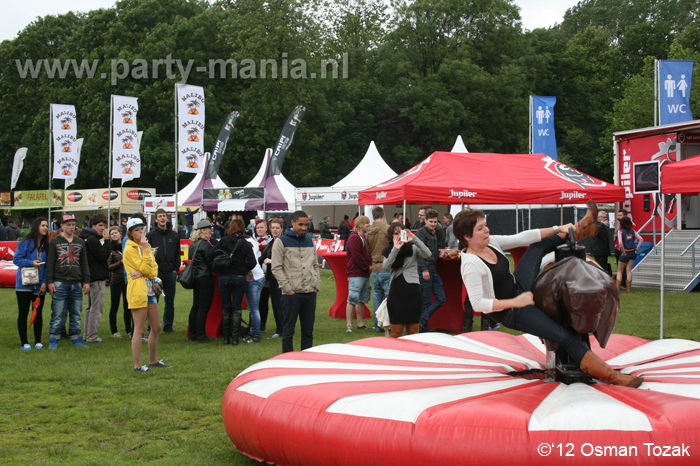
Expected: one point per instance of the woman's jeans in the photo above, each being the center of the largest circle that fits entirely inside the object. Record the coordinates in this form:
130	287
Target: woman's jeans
231	290
252	295
531	319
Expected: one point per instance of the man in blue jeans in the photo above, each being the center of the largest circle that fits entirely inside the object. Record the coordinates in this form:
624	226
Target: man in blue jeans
430	282
377	240
166	243
68	278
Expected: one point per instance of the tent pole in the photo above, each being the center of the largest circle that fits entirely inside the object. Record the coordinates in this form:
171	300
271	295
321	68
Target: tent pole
109	169
50	160
517	226
404	212
663	257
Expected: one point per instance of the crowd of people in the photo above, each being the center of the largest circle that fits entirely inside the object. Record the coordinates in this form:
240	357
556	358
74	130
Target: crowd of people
270	264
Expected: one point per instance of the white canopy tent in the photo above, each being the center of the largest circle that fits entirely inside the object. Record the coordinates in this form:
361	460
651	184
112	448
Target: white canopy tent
343	196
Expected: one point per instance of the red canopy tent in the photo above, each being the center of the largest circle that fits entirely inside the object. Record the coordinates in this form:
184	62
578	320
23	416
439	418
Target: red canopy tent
469	178
453	178
681	177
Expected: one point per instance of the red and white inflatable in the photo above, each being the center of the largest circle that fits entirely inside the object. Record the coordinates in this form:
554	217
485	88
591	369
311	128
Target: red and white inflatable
8	274
448	400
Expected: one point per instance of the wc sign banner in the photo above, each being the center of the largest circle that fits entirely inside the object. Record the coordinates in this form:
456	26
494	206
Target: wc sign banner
543	139
674	80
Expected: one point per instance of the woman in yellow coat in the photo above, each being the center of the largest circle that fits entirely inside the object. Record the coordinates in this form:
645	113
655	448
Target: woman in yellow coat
142	270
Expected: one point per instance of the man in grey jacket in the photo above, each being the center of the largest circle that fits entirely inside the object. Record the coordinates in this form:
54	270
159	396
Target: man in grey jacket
295	268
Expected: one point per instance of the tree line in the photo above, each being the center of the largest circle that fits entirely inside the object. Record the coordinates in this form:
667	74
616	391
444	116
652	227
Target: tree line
409	74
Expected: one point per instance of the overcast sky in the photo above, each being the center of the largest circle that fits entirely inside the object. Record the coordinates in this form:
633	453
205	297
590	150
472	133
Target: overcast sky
16	15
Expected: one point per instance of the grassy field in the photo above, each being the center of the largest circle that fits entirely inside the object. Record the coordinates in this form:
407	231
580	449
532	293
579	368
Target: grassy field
86	406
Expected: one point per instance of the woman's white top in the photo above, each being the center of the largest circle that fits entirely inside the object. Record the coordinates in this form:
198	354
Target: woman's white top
477	276
257	270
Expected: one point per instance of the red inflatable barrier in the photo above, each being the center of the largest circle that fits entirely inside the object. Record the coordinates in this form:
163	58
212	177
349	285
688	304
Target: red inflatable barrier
449	400
8	274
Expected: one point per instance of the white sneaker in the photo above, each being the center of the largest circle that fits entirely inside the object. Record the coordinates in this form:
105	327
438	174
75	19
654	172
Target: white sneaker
26	347
116	335
38	346
348	329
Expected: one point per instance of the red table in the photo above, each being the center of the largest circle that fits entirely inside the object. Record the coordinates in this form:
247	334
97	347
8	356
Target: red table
213	324
450	317
339	267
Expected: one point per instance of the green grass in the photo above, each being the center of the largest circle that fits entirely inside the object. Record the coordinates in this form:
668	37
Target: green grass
86	406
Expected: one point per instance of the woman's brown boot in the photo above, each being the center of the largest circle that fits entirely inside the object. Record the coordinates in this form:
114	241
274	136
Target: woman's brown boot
618	285
592	364
587	226
629	285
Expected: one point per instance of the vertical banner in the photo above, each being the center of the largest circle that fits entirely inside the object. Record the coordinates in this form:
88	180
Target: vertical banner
78	148
65	130
285	140
220	145
128	177
190	124
17	165
675	78
126	159
544	140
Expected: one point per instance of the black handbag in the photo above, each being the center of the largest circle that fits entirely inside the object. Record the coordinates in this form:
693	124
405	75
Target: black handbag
222	259
186	275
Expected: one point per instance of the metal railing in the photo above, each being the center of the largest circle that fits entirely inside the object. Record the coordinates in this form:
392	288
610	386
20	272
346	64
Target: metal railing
691	246
653	223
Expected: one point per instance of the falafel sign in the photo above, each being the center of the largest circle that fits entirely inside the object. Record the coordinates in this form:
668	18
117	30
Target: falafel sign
126	159
190	128
64	132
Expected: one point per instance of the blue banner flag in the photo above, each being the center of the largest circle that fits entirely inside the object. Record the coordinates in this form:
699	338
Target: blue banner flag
543	139
675	79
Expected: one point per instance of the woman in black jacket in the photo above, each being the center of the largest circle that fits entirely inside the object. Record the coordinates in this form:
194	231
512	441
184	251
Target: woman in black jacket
203	290
232	276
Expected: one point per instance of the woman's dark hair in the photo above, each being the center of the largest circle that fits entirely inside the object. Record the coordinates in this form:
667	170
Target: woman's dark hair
626	223
236	225
464	224
34	234
392	230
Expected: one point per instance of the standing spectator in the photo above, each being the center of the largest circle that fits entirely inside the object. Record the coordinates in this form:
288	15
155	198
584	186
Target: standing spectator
352	224
117	285
420	223
31	252
67	275
600	243
276	229
262	238
628	252
54	224
204	285
141	269
359	267
404	301
295	267
122	227
439	231
219	226
449	236
377	241
189	220
166	244
232	278
256	283
98	252
3	230
13	233
325	228
344	230
312	227
430	282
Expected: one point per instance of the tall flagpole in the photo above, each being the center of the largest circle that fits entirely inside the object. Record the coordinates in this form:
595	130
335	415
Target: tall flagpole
177	151
529	132
111	155
657	110
50	159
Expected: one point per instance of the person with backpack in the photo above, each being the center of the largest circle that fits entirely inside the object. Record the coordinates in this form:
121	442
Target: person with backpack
344	230
233	257
626	236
